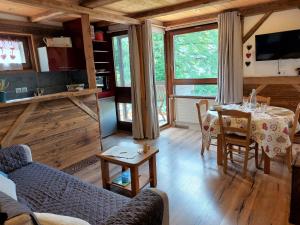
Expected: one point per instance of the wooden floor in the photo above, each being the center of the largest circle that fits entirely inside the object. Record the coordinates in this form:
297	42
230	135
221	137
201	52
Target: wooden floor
199	192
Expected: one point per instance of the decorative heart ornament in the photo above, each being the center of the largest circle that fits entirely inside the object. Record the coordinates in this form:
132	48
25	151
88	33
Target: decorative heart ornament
248	55
247	63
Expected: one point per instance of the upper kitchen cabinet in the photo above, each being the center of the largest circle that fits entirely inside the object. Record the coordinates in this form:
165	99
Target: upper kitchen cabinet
59	59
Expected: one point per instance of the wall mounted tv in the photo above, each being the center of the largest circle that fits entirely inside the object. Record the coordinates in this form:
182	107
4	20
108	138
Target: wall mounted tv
282	45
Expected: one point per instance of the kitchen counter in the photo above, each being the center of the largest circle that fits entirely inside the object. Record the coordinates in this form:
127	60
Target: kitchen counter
48	97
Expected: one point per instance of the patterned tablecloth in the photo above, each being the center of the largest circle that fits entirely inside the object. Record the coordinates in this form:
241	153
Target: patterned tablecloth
270	129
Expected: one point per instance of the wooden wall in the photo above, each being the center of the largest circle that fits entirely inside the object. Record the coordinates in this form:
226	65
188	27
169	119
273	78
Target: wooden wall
59	132
283	90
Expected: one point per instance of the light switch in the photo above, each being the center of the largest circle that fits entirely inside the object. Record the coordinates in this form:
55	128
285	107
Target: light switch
24	89
18	90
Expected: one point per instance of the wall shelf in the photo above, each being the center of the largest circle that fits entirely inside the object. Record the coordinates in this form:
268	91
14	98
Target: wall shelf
100	51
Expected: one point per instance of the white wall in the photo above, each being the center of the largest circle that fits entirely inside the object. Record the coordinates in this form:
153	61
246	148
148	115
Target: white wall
277	22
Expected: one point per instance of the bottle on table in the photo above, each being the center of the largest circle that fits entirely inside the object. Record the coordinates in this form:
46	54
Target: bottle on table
253	99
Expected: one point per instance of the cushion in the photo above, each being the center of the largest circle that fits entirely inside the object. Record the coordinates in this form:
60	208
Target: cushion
8	187
14	157
54	219
10	208
3	174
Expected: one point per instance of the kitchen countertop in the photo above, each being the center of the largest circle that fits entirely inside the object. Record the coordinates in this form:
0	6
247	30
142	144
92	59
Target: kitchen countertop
48	97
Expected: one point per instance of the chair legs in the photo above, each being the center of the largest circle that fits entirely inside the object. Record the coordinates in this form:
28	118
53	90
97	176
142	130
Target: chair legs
256	156
202	148
225	159
246	162
289	155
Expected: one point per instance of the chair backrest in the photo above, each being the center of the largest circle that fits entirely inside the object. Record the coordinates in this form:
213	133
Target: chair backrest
260	99
244	121
295	123
199	105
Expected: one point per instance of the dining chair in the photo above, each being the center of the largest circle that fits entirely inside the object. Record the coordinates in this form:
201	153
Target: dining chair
260	99
294	137
233	136
203	103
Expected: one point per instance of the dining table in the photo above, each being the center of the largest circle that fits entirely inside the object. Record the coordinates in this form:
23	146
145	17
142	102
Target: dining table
270	129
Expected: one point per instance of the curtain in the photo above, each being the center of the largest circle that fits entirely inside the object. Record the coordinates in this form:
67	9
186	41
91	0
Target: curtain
144	109
152	125
230	79
136	84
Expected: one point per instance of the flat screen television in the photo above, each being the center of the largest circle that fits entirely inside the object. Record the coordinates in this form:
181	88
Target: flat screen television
281	45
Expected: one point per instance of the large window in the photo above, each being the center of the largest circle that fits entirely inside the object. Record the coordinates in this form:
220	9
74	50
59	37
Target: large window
196	61
15	52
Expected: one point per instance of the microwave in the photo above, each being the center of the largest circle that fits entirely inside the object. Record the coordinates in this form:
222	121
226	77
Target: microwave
102	82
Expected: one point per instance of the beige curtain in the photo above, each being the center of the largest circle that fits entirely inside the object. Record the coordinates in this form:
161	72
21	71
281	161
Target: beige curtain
230	79
144	109
152	126
136	83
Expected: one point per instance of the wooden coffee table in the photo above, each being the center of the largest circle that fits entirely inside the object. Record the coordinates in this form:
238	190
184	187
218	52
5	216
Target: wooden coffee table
137	181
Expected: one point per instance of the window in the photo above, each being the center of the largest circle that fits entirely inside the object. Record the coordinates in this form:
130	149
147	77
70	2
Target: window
123	77
160	75
15	52
122	61
196	61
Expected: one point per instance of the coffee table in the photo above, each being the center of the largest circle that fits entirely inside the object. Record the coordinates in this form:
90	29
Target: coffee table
137	181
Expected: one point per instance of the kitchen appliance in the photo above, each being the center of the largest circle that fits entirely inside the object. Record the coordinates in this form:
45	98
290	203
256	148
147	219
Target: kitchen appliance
102	82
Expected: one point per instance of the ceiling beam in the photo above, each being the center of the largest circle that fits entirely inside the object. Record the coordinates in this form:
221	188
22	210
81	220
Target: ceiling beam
181	7
45	16
256	26
262	8
97	3
67	7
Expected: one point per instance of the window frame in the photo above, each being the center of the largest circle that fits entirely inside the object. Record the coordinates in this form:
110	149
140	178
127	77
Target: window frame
194	81
28	45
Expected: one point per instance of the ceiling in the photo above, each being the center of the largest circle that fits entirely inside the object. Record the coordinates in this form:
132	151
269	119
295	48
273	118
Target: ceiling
172	9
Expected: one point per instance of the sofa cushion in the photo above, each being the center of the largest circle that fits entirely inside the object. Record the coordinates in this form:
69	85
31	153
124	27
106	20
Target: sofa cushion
10	208
8	187
54	219
47	190
13	158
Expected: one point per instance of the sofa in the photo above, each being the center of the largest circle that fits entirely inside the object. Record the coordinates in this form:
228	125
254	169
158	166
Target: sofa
43	189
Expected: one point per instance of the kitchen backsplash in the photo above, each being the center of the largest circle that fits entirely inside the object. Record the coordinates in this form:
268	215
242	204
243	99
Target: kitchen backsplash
52	82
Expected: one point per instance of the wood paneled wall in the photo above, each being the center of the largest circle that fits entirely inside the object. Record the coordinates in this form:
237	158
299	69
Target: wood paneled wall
59	132
284	90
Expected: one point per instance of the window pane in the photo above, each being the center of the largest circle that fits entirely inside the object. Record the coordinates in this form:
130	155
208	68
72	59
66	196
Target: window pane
196	55
209	90
12	54
125	112
160	76
122	61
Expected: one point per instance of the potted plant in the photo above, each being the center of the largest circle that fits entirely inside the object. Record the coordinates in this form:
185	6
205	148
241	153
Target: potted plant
3	88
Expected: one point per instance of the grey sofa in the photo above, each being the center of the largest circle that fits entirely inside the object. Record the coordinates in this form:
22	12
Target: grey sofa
47	190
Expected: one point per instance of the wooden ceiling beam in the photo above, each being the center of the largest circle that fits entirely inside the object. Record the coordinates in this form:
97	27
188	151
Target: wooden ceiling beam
67	7
45	16
181	7
97	3
256	26
262	8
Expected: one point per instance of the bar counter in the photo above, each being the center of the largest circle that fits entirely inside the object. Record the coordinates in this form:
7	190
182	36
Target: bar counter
61	128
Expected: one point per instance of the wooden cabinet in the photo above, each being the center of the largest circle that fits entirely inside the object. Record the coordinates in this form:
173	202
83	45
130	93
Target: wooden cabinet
59	59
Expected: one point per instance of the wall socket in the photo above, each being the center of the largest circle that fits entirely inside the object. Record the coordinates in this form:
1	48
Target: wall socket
21	90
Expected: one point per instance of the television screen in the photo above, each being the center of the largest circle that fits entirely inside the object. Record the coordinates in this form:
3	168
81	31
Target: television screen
282	45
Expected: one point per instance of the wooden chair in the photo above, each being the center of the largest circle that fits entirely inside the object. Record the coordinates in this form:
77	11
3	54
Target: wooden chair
294	137
237	137
260	99
202	103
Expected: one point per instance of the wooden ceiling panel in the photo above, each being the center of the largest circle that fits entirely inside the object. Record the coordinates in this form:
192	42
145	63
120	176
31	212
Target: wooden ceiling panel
211	9
133	6
19	9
